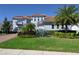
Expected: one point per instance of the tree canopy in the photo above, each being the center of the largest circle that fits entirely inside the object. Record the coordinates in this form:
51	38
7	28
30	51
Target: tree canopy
67	15
6	26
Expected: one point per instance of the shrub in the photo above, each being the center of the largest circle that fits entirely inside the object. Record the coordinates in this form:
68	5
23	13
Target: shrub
27	36
41	32
27	33
64	35
51	32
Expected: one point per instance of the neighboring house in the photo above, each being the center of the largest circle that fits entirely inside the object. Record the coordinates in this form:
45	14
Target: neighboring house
0	26
41	21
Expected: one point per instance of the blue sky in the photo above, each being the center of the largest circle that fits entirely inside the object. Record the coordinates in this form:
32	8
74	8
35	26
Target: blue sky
10	10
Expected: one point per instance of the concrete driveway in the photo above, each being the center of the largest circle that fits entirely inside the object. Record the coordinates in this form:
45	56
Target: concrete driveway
32	52
7	37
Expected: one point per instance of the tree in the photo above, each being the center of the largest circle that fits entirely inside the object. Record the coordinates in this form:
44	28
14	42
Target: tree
67	15
28	27
6	26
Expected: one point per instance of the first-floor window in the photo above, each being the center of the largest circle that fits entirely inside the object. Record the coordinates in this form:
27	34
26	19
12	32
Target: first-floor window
62	26
52	26
57	26
41	19
28	21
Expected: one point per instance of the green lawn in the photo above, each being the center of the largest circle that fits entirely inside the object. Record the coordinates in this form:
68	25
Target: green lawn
43	43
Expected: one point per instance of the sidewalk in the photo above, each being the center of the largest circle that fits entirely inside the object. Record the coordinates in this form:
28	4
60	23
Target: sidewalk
32	52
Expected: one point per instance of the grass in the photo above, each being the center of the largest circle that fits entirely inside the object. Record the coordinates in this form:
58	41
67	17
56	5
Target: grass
43	43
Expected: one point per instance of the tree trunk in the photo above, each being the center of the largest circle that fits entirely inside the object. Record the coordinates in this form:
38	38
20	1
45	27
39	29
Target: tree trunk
66	28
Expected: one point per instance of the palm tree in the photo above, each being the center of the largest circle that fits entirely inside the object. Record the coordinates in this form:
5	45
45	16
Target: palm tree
67	15
28	27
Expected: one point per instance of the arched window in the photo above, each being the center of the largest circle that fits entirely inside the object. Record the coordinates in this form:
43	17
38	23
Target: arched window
62	26
38	19
57	26
34	19
52	26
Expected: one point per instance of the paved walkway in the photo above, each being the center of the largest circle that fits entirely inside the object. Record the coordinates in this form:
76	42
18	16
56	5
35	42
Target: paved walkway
32	52
7	37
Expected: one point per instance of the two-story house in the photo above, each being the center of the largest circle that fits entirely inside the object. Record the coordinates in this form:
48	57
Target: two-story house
19	21
41	21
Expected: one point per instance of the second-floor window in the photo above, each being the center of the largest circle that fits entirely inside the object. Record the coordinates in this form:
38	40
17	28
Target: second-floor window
34	19
38	19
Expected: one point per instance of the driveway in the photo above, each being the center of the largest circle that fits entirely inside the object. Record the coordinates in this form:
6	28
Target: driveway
7	37
32	52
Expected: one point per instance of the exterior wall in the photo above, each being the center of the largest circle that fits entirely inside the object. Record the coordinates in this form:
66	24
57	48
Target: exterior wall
22	21
25	22
46	27
49	27
17	23
14	24
75	28
69	27
35	20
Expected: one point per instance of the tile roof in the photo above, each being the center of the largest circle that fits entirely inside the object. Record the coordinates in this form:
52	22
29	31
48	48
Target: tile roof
50	18
22	17
47	18
39	15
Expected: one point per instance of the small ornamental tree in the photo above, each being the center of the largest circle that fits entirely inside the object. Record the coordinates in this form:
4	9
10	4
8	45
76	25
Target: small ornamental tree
41	32
28	29
6	26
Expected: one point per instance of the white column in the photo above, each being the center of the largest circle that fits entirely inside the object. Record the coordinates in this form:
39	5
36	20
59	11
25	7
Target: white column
32	21
33	18
43	18
60	27
24	22
36	19
55	27
14	24
40	19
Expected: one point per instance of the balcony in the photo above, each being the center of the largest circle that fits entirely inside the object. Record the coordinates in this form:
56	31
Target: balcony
40	23
19	23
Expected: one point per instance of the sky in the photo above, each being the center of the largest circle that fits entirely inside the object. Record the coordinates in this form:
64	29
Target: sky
11	10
